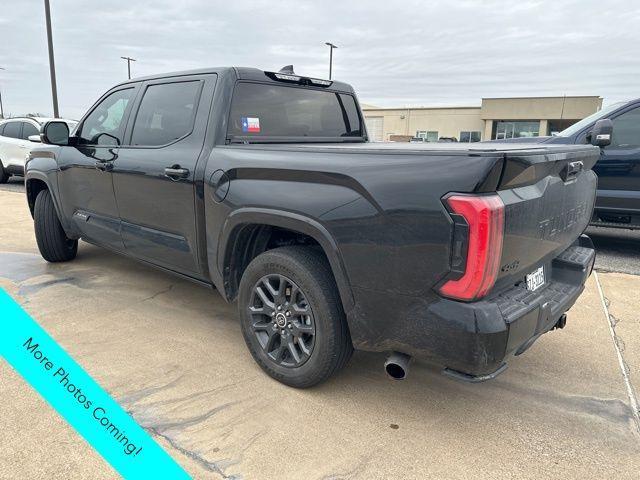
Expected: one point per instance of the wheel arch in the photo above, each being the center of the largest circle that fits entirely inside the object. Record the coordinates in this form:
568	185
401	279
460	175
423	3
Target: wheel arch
34	184
35	181
248	232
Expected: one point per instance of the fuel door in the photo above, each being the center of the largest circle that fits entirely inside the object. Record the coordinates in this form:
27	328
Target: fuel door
219	182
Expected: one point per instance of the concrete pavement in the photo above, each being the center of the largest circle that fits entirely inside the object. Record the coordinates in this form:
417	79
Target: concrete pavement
172	354
618	249
14	184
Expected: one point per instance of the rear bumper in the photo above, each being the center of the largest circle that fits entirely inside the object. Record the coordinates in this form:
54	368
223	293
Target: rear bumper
471	341
509	323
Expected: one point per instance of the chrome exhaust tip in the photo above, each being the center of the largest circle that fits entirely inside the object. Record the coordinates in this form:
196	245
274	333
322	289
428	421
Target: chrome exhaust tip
397	365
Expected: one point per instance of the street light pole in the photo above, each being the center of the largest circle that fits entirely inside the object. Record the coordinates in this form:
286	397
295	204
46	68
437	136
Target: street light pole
129	60
331	47
1	107
52	65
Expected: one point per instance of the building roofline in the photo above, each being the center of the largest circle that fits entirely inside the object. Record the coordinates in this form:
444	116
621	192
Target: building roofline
537	98
469	107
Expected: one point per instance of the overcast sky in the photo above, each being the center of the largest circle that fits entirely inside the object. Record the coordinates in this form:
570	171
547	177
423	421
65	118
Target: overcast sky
395	53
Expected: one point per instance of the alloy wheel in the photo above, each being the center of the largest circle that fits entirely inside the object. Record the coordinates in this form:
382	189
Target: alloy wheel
282	320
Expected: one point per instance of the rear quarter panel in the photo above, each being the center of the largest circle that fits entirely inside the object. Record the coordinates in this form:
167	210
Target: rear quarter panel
382	210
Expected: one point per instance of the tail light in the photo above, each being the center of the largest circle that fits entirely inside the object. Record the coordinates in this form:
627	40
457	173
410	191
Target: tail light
484	216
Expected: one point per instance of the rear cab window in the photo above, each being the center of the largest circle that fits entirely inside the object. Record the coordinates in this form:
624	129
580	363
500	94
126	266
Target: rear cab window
276	113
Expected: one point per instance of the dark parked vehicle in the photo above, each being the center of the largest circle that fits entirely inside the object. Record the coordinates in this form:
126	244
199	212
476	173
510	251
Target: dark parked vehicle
265	186
618	170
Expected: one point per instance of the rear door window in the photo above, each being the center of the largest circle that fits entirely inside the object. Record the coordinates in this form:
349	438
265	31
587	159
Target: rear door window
264	110
29	129
12	129
166	113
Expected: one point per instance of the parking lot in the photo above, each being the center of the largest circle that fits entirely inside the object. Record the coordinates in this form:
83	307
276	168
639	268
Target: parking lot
172	354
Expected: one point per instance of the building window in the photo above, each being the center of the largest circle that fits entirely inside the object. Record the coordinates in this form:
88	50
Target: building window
556	126
469	137
427	136
505	129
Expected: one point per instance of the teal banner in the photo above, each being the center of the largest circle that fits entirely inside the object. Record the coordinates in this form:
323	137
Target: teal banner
79	399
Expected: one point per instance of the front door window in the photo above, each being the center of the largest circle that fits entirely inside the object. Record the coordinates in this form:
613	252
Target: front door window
104	125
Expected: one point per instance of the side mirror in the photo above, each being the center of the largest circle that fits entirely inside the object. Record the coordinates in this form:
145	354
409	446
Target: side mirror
55	132
600	135
34	138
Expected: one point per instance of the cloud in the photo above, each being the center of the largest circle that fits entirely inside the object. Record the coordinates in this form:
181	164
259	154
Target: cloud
394	53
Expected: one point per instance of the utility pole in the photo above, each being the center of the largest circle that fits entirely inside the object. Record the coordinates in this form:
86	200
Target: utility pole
1	107
331	47
52	65
129	60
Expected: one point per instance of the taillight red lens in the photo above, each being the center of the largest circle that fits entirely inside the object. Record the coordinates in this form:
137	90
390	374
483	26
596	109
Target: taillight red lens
485	216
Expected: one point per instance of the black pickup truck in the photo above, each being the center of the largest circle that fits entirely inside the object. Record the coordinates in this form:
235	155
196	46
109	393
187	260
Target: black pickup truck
264	186
618	170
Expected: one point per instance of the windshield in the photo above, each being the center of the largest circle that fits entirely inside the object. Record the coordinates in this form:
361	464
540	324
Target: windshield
576	127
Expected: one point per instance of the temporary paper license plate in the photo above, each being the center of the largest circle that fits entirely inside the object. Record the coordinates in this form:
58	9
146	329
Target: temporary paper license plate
535	279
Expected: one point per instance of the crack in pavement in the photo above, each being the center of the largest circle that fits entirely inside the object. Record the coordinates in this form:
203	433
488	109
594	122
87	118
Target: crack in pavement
131	398
157	294
163	429
188	422
618	343
210	466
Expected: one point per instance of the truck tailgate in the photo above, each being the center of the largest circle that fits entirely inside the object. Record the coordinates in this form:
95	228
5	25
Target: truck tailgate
548	198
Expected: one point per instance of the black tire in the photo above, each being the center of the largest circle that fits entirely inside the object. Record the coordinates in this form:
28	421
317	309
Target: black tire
53	244
4	176
308	269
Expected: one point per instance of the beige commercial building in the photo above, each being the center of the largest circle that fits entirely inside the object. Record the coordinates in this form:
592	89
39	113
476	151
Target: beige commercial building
495	118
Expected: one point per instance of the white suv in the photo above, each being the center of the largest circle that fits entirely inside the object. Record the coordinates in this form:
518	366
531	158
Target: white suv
17	137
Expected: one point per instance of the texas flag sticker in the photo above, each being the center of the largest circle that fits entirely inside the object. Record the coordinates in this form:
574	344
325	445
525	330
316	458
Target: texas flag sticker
250	125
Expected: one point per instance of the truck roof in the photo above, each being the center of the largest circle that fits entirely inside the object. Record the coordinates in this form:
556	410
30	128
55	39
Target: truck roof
242	73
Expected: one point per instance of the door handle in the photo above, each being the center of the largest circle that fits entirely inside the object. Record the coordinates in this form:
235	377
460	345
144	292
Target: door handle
175	172
104	166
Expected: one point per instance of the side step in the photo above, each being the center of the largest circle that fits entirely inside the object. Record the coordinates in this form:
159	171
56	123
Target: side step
628	226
